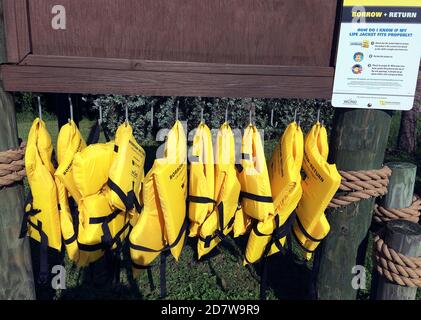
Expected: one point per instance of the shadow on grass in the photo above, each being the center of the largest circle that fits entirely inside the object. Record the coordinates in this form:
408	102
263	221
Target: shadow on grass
287	276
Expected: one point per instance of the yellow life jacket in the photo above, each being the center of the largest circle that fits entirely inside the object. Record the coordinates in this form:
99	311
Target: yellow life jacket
256	195
162	224
319	187
101	227
69	142
42	219
202	179
227	190
127	171
268	237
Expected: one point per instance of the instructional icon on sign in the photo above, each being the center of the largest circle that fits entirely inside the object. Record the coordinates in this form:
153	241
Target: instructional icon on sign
359	57
357	69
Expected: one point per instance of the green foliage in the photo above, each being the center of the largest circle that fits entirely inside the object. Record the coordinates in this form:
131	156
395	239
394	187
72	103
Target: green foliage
189	110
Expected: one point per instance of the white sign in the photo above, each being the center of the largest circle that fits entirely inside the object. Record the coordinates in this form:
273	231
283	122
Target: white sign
379	55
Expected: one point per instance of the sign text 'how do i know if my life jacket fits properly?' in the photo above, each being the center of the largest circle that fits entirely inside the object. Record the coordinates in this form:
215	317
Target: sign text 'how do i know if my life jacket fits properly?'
378	55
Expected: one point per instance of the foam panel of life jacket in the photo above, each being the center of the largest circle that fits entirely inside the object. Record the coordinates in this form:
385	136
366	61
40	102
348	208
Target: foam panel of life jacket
161	225
242	223
202	179
319	187
90	234
127	170
254	178
69	142
40	170
227	191
91	167
90	172
284	172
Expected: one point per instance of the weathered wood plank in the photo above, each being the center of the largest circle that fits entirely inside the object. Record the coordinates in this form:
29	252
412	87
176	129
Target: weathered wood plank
16	279
217	31
174	66
358	142
403	237
98	81
18	43
2	36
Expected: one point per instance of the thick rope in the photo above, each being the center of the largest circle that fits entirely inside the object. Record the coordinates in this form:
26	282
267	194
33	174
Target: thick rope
412	213
396	267
361	185
12	166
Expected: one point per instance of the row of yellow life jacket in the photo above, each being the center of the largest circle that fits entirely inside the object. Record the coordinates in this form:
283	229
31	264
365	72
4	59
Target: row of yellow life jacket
88	202
225	197
99	192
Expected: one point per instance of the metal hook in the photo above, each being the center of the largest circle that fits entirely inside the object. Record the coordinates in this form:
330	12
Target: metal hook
295	115
176	110
127	114
152	111
39	108
226	115
71	108
271	117
100	120
201	115
318	116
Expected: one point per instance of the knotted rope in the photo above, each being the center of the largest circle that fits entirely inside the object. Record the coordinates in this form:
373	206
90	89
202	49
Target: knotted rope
361	185
396	267
12	166
412	213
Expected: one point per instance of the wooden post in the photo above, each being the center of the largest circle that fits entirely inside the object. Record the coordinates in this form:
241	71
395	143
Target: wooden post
404	237
16	279
400	190
358	142
399	195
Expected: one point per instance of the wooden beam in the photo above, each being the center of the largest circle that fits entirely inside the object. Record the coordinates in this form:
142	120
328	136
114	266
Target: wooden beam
175	66
358	142
102	81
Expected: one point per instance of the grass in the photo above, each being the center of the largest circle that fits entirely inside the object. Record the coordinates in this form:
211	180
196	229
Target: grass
220	276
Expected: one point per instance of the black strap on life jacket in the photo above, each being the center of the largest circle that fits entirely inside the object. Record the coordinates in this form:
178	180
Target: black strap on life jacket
202	200
304	231
107	238
32	212
95	132
130	200
280	232
256	197
219	233
101	245
239	166
74	212
164	252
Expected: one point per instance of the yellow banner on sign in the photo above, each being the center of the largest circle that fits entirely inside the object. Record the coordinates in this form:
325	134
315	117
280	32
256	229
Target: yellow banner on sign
382	3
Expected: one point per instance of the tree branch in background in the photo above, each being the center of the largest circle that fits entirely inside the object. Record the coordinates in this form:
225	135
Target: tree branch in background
407	138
